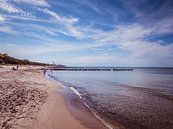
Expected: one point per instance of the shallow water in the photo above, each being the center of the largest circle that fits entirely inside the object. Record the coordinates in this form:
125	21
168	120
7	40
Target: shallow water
138	99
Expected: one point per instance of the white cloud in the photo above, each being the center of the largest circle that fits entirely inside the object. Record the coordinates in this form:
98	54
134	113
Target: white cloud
164	26
13	9
99	59
89	4
43	3
60	19
67	23
6	29
2	18
34	50
27	18
131	39
121	34
6	6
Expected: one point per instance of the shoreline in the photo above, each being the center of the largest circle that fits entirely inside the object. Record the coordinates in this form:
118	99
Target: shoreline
52	112
77	106
79	110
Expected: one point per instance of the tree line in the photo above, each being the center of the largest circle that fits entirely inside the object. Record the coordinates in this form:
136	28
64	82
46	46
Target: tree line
6	59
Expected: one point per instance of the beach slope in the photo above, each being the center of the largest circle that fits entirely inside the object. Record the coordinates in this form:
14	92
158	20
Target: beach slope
30	101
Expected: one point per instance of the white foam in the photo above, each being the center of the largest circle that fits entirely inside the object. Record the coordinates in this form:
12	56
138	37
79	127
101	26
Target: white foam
76	92
94	113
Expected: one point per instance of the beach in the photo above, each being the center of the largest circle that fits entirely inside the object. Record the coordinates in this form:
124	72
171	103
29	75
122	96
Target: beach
28	100
85	100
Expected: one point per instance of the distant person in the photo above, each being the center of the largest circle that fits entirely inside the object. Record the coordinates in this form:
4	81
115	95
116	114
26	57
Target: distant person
51	69
14	68
17	67
44	71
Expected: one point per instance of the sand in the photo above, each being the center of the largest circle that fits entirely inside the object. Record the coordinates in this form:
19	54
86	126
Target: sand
54	113
30	101
20	99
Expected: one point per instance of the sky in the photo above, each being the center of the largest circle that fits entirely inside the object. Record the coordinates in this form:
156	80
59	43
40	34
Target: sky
89	32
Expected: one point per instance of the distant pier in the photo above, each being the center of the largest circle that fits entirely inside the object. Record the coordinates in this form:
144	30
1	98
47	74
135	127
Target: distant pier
92	69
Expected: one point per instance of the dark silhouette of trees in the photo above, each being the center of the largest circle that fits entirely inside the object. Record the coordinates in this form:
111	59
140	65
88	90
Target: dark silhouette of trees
6	59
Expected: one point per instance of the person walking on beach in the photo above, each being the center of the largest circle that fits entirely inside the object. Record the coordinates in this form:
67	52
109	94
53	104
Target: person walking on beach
44	71
51	70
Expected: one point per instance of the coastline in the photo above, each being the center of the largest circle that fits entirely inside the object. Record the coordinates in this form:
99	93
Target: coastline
81	110
54	114
48	110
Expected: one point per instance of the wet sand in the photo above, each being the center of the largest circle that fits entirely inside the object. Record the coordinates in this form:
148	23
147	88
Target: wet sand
80	111
30	101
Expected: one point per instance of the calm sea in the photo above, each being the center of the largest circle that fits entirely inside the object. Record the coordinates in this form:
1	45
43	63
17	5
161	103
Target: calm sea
138	99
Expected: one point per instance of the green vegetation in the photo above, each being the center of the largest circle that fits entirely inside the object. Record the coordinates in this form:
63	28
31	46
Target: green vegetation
6	59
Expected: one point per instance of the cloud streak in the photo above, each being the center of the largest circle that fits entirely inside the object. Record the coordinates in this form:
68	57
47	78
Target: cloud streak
2	18
6	6
42	3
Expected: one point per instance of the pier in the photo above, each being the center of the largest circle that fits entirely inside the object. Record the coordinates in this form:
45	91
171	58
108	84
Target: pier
92	69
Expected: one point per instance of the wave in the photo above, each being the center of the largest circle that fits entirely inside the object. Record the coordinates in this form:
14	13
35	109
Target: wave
91	110
76	92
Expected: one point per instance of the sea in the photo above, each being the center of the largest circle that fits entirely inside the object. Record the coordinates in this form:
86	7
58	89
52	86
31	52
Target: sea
138	99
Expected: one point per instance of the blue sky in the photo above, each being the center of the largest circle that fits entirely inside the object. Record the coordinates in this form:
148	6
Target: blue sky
88	32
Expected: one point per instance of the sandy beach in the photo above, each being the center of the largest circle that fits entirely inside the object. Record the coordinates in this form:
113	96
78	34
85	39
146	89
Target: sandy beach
30	101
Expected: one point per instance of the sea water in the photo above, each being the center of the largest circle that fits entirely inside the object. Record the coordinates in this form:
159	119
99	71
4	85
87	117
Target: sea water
138	99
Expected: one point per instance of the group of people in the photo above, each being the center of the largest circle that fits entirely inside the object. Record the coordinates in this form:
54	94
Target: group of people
44	69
